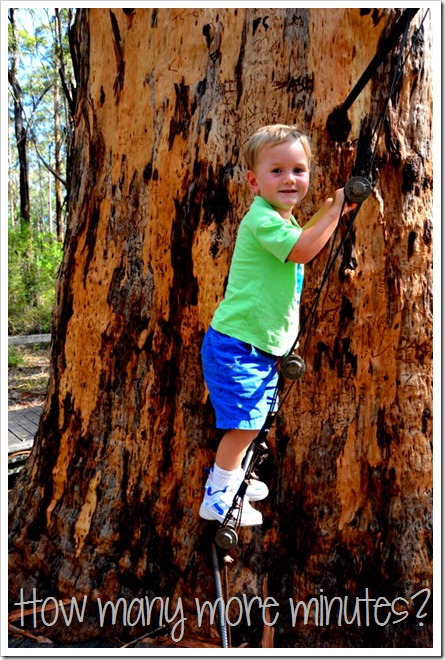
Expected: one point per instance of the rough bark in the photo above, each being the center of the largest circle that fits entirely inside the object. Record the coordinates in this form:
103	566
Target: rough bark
108	503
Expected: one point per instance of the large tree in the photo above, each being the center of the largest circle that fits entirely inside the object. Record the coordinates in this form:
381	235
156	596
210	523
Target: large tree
107	505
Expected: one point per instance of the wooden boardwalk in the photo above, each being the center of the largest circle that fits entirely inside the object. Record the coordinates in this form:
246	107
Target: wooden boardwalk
22	340
22	427
23	423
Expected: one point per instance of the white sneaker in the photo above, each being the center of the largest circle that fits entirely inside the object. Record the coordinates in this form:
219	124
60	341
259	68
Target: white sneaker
216	503
256	490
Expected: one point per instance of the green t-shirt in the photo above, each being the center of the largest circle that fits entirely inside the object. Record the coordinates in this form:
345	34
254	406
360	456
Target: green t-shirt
262	299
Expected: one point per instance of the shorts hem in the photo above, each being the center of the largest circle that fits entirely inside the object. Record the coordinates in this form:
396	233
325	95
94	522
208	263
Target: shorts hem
243	425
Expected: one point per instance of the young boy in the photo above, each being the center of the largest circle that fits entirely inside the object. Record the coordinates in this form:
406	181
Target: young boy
257	321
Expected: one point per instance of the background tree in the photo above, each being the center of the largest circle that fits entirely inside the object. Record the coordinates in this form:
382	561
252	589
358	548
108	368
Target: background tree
19	119
40	65
108	503
40	95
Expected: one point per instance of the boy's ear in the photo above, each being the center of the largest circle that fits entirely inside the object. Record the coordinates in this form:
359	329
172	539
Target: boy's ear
251	180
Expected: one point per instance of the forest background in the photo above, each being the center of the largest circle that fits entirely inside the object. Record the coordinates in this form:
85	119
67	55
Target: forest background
40	103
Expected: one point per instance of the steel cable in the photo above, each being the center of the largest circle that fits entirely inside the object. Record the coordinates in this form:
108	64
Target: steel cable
306	325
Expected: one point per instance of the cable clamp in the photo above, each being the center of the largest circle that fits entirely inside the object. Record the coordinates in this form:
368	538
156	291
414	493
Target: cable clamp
357	189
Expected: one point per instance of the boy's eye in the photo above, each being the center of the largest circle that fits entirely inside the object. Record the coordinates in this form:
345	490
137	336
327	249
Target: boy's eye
276	170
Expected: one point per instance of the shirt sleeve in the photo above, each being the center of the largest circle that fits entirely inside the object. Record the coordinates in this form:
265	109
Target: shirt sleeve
276	235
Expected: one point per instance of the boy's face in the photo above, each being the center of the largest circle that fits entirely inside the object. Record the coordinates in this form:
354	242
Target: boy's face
281	175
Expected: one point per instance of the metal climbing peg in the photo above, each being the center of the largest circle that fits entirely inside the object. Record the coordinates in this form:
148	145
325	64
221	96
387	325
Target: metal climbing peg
293	366
357	189
226	537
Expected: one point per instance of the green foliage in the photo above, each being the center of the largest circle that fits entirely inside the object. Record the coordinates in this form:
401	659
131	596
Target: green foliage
41	51
15	358
33	262
39	55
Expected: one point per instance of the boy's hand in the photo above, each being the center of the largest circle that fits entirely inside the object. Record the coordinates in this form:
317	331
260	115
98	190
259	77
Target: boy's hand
340	202
320	227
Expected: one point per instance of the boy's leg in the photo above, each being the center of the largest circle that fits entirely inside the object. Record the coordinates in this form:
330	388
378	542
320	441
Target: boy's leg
225	478
232	447
239	379
229	456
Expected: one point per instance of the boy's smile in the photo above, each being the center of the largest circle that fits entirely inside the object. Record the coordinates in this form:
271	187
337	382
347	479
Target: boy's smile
281	175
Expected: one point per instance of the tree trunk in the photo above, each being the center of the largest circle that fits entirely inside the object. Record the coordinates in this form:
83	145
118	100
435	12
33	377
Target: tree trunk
12	184
57	155
107	505
21	133
59	71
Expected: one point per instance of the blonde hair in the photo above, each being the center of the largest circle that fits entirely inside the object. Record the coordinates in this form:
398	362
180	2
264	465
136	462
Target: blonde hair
273	134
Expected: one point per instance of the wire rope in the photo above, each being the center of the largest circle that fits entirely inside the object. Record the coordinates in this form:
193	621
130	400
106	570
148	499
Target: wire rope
307	324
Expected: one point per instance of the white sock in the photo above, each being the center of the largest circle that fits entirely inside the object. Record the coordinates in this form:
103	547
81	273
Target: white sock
221	478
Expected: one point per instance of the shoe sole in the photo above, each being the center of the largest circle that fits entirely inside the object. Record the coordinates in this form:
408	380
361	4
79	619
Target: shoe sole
206	514
256	497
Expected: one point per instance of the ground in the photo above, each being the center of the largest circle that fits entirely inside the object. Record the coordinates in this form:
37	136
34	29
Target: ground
28	373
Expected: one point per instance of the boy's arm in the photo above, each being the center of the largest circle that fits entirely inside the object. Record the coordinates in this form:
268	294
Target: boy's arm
319	229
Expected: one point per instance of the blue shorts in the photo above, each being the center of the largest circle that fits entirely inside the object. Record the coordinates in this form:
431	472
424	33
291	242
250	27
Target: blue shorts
241	381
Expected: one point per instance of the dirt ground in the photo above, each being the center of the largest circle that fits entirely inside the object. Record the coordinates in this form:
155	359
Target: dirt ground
28	373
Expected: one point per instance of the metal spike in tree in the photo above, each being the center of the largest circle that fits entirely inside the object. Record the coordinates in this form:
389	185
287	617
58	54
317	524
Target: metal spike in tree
107	505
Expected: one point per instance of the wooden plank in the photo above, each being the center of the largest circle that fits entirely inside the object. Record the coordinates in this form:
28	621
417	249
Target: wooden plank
21	340
17	418
19	432
32	413
22	427
14	439
23	445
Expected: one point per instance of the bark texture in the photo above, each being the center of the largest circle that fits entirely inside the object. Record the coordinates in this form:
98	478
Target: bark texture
108	503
